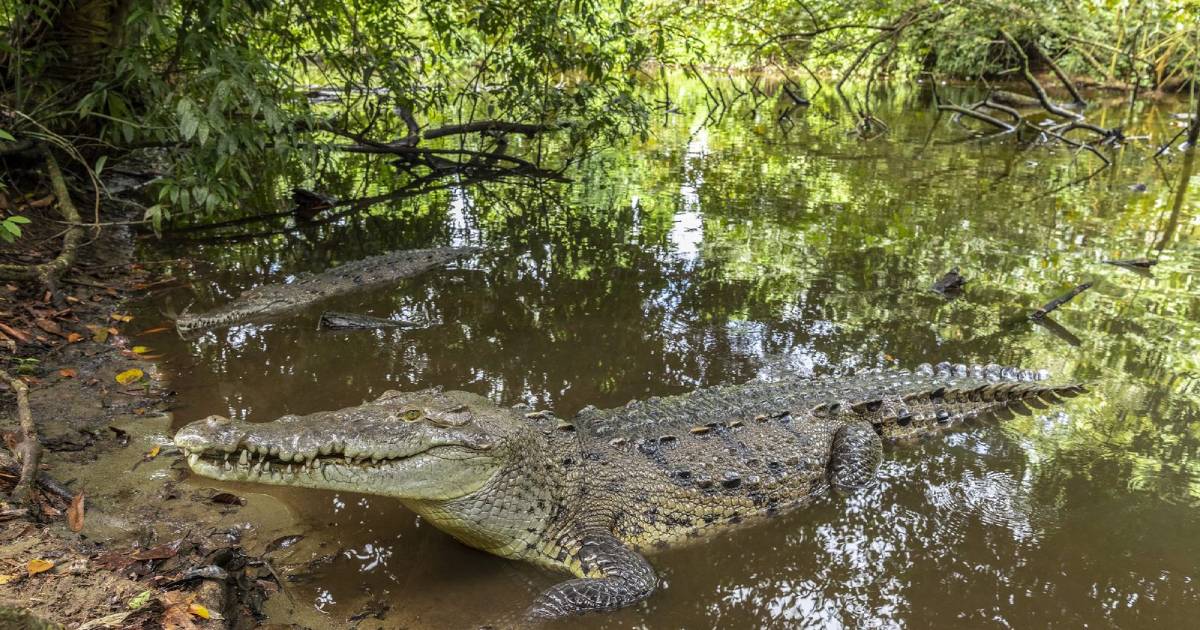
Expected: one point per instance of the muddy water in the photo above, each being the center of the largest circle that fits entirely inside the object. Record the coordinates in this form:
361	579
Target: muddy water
721	250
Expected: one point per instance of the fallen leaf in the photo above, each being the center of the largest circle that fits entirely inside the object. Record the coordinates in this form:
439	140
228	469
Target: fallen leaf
152	453
41	203
48	325
161	552
141	599
227	498
121	317
100	336
129	376
150	357
151	331
68	373
5	579
75	513
38	565
23	337
115	620
140	349
283	542
74	337
199	611
176	610
113	331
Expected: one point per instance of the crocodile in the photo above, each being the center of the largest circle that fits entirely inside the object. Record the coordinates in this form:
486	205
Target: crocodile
591	495
277	299
334	320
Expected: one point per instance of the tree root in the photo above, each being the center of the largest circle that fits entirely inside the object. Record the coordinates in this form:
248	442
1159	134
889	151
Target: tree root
49	273
29	449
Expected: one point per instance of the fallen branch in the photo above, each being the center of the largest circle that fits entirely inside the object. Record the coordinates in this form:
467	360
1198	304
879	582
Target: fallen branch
1037	88
28	450
479	126
50	272
970	113
1053	305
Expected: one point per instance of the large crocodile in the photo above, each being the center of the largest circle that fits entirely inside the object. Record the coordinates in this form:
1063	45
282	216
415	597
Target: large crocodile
276	299
590	494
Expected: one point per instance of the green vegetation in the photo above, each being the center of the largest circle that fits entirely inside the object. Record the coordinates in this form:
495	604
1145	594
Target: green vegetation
238	99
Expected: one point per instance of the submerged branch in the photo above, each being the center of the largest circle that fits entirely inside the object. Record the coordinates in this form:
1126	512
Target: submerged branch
1053	305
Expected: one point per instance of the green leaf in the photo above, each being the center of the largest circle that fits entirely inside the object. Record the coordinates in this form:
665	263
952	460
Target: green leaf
16	218
100	164
4	135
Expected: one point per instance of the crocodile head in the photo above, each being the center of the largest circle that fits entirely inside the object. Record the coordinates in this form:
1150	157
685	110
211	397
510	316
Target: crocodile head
415	446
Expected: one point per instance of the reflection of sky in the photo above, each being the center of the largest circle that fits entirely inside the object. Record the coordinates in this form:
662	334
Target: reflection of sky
460	204
686	233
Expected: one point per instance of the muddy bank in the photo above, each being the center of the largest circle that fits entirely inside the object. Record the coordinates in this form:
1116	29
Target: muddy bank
114	536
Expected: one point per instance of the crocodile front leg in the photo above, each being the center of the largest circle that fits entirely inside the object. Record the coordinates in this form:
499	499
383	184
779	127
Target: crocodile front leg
624	578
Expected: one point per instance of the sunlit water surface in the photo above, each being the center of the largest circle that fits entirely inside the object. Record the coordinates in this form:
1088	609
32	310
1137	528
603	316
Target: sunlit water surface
720	251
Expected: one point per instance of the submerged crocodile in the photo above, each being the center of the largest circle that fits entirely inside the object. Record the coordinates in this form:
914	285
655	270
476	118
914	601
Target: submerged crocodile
591	494
276	299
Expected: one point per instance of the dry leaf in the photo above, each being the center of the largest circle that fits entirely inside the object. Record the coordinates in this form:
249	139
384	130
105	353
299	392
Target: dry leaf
113	331
161	552
23	337
75	513
100	336
44	202
68	373
38	565
5	579
151	331
121	317
140	349
176	610
153	452
131	375
74	337
199	611
48	325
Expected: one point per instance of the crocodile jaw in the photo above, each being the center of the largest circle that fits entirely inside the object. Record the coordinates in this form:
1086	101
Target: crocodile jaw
441	473
369	449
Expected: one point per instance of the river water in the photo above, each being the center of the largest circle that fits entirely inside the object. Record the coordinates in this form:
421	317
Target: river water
720	250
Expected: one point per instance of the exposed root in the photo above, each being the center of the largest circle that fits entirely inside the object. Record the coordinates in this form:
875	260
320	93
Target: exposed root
29	449
49	273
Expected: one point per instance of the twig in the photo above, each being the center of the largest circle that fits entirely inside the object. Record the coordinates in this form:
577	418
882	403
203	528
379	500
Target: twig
28	450
1053	305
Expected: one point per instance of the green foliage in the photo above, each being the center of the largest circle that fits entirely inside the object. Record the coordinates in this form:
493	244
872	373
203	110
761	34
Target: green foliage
10	227
223	86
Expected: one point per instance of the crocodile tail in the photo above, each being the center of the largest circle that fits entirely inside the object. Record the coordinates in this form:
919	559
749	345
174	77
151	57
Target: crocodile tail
931	411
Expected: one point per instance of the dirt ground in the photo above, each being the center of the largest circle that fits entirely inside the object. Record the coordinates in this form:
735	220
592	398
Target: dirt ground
116	538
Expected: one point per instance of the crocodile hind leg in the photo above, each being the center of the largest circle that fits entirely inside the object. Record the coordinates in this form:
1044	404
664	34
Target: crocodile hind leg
855	455
624	578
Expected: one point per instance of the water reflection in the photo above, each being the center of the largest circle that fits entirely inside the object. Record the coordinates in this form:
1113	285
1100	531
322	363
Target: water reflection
724	252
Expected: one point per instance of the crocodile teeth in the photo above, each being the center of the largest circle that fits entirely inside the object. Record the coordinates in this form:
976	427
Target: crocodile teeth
244	459
289	470
193	458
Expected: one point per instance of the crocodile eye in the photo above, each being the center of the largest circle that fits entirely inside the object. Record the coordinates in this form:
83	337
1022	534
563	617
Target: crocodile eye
412	415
